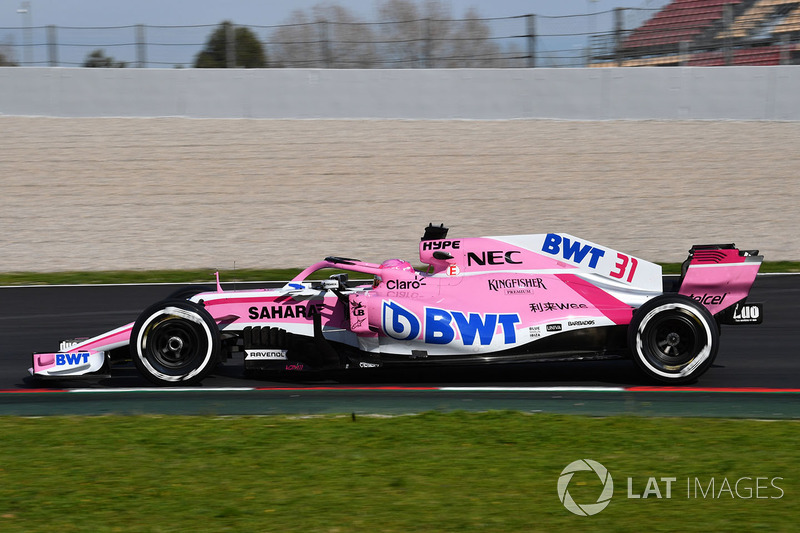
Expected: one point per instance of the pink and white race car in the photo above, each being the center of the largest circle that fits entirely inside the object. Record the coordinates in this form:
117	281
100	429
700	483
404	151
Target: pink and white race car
515	298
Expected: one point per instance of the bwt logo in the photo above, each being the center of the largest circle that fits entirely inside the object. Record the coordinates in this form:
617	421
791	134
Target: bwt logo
63	359
443	327
586	509
572	250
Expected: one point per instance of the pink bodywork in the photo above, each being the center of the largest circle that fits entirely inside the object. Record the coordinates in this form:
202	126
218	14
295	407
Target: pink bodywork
488	294
95	347
719	278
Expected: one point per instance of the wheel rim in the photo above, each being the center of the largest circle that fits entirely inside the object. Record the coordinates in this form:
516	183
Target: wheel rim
175	344
672	341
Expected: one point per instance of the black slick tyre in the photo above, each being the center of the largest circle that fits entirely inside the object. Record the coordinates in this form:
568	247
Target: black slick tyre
185	293
175	342
673	339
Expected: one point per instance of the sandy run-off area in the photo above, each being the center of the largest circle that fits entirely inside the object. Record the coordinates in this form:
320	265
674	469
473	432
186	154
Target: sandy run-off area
107	193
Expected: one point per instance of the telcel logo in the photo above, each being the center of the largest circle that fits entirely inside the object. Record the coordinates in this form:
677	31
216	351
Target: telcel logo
709	299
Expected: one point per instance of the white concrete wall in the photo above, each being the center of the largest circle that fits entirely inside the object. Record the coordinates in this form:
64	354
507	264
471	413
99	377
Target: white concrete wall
740	93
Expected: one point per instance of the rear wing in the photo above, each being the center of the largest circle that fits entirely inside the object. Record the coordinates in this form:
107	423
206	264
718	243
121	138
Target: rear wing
720	276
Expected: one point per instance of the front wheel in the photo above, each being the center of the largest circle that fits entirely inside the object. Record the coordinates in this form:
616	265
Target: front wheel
673	339
175	342
185	293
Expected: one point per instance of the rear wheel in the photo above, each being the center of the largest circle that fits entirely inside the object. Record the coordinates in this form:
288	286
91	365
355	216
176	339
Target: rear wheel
175	341
673	339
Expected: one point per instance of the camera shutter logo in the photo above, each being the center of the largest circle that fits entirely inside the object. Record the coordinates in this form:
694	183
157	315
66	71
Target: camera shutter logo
587	509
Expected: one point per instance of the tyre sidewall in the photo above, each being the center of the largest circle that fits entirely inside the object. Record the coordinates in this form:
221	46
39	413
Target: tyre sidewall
196	317
185	293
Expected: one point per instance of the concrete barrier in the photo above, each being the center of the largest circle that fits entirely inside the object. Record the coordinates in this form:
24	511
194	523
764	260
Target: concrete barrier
712	93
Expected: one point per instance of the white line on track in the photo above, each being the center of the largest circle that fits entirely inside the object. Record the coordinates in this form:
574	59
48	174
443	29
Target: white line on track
282	389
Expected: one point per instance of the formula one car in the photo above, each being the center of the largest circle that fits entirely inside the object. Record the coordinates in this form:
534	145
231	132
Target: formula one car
516	298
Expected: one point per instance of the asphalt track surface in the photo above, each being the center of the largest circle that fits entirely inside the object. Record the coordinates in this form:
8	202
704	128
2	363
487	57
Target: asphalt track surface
756	373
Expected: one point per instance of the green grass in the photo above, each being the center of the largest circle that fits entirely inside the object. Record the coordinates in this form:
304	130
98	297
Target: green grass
459	471
207	275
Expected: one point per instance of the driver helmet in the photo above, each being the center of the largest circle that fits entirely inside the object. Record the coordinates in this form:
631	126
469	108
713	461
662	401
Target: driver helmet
393	264
397	264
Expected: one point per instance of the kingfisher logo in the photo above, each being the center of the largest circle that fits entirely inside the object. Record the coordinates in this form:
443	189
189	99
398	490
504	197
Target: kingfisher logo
443	327
585	509
516	283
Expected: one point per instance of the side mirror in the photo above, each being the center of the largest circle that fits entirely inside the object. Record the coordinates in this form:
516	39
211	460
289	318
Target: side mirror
329	284
339	281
